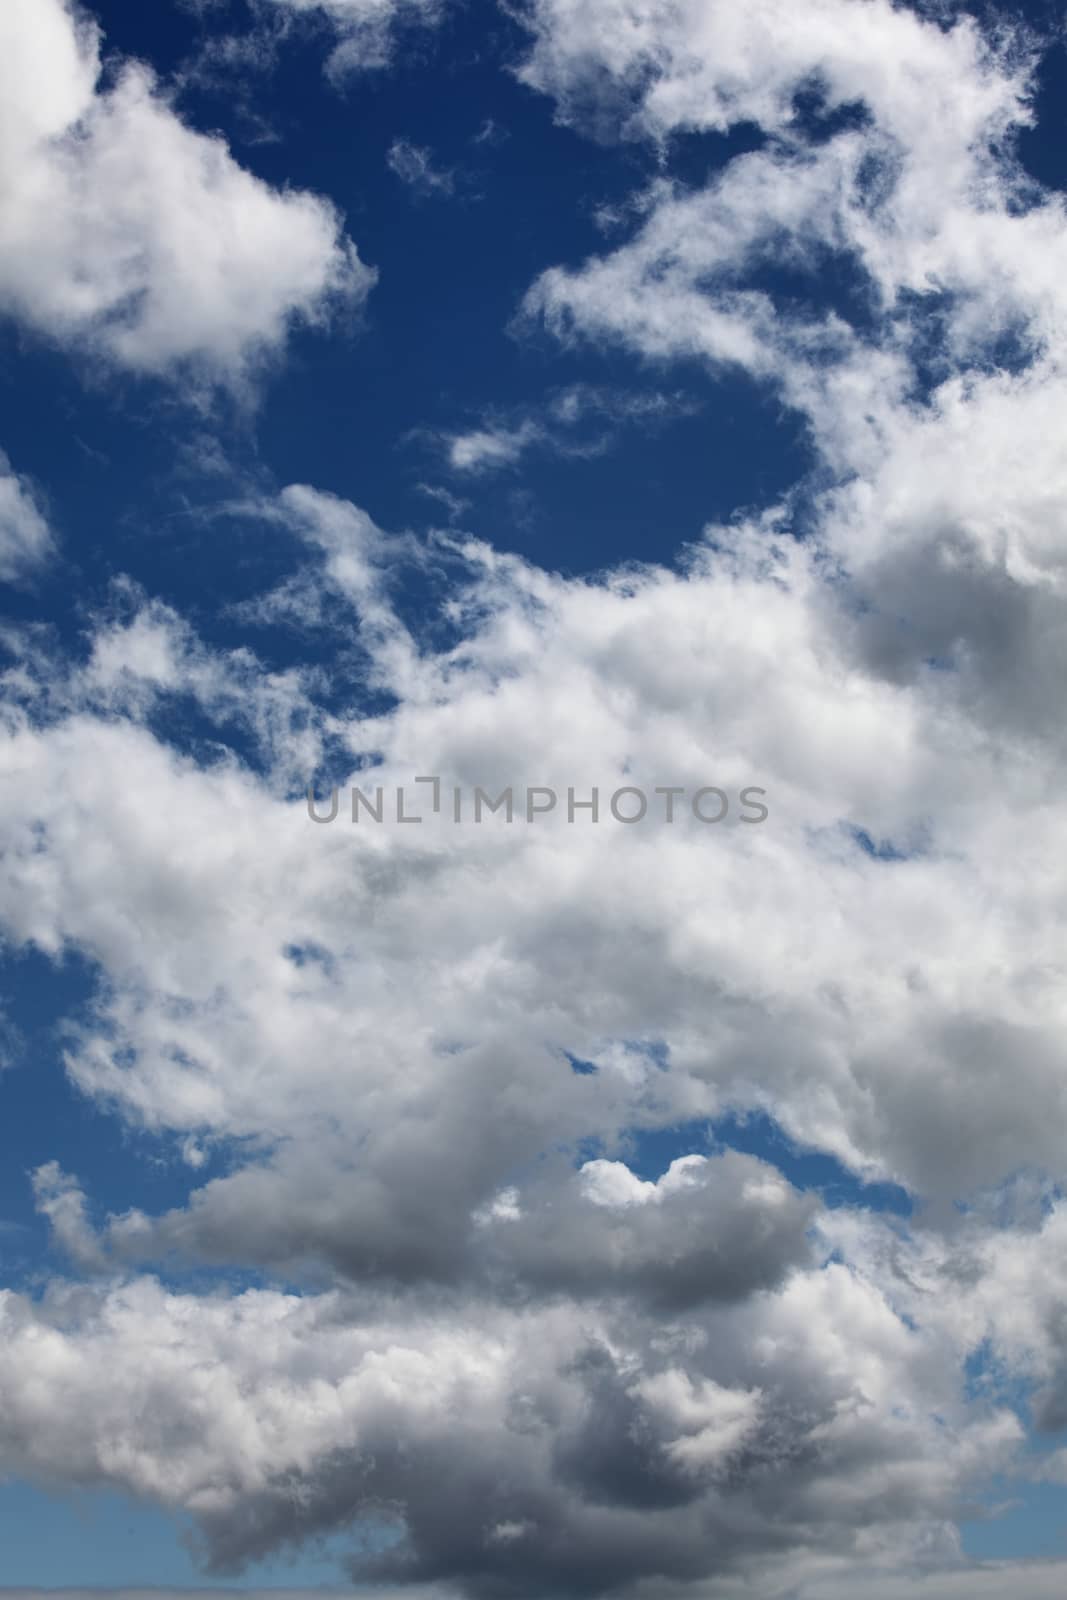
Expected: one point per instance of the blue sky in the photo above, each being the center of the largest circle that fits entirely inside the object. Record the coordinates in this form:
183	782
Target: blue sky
582	394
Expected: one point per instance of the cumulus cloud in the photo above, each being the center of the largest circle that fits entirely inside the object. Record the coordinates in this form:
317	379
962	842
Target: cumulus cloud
613	663
929	393
705	65
389	1014
582	1455
526	1361
920	193
416	1061
133	237
715	1231
144	659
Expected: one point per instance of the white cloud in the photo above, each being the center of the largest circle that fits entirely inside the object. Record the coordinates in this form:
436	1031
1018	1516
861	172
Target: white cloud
59	1198
921	195
367	29
490	447
131	236
711	1422
560	1373
414	165
249	991
706	64
581	420
611	1183
25	537
569	683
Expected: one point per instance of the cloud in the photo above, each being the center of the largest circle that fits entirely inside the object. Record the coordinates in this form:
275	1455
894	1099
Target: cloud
654	68
454	504
490	447
541	1363
414	166
490	133
583	1457
367	29
205	1592
1027	1580
669	1379
144	659
133	238
581	421
25	537
718	1230
59	1198
927	207
950	334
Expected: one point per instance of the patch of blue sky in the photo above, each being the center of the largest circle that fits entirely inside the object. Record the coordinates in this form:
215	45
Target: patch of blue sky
89	1539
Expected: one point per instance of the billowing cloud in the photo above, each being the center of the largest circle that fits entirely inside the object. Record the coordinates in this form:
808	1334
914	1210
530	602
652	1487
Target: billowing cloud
390	1014
840	752
132	237
915	190
526	1451
513	1358
710	1231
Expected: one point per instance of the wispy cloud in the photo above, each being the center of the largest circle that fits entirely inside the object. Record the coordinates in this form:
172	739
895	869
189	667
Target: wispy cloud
581	420
414	165
367	31
454	504
25	536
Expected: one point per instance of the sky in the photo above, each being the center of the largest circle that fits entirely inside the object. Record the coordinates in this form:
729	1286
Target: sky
533	615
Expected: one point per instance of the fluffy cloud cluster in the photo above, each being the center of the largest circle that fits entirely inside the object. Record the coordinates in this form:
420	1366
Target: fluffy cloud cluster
390	1015
517	1366
572	939
789	1441
905	187
529	1450
131	236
